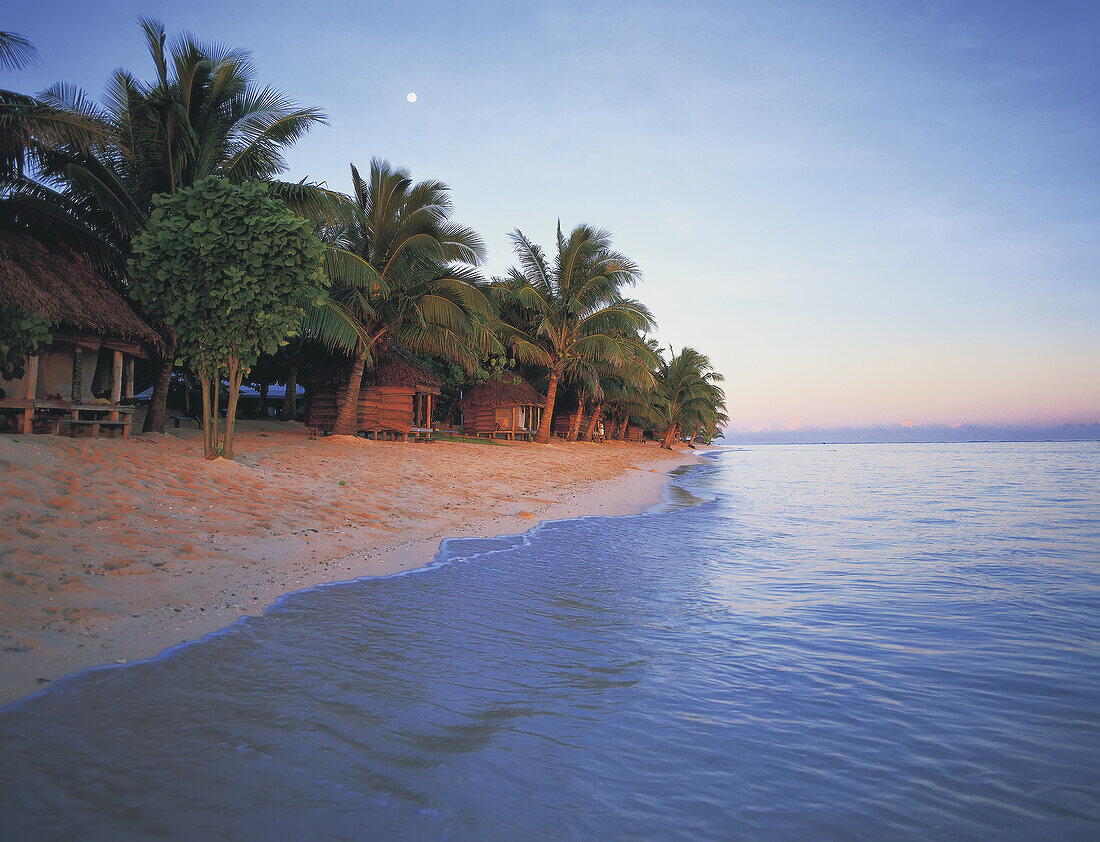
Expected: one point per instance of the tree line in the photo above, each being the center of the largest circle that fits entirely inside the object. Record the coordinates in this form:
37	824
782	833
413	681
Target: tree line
171	187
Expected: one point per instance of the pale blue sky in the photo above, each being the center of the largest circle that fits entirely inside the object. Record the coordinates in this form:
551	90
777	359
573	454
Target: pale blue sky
865	212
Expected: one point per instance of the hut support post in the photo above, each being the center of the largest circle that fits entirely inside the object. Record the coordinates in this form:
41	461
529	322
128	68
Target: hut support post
128	379
32	390
116	383
78	375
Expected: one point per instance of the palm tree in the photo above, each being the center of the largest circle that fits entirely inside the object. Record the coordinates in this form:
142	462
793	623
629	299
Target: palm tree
402	270
203	114
689	395
575	316
28	126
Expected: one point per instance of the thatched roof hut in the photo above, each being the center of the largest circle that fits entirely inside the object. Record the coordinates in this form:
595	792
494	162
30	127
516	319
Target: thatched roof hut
503	403
95	337
63	288
399	367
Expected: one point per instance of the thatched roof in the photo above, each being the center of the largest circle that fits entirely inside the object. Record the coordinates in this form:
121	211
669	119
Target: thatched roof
62	288
502	390
398	367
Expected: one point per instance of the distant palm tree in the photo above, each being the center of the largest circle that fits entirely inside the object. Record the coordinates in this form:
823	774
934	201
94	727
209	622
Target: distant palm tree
574	315
401	270
690	398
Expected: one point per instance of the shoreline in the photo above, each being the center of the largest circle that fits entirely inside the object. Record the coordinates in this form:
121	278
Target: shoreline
113	550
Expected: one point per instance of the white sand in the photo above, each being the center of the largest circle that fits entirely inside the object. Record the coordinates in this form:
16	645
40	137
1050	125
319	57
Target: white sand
114	550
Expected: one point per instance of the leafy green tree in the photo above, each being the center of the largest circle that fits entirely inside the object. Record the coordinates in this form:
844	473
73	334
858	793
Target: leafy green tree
22	334
401	270
572	313
229	269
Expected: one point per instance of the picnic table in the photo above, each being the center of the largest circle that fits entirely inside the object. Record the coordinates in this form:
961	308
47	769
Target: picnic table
63	417
96	417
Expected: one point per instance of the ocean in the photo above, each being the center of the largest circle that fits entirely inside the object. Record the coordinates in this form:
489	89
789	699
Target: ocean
802	642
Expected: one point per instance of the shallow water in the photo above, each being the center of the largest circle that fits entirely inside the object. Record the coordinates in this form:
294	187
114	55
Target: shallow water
883	641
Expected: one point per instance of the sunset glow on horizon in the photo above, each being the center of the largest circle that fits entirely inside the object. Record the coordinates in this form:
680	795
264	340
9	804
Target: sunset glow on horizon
863	213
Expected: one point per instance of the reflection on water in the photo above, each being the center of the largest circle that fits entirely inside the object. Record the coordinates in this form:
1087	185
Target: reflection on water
860	641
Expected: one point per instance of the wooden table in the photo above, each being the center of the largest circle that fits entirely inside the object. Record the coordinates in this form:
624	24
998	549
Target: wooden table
103	416
63	416
19	408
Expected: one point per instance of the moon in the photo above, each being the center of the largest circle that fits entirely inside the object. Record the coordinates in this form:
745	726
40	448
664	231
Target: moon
411	97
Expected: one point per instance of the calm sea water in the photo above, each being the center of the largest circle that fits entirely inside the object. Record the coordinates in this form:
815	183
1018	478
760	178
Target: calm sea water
826	642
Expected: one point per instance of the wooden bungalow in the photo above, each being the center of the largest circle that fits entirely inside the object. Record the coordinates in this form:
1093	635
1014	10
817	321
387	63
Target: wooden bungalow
95	338
395	400
503	406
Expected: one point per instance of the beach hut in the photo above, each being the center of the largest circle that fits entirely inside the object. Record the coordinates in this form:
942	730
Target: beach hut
568	415
504	405
395	400
95	338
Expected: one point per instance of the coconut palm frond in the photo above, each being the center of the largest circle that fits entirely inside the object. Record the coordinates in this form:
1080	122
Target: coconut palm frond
16	52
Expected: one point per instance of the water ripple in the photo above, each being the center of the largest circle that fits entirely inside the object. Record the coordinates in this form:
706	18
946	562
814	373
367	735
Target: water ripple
836	643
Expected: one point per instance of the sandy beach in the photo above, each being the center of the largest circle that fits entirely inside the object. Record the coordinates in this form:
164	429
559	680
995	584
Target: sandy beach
113	550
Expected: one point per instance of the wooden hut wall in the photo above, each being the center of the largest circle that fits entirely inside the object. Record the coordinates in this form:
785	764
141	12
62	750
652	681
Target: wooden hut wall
386	408
321	407
380	408
562	422
478	419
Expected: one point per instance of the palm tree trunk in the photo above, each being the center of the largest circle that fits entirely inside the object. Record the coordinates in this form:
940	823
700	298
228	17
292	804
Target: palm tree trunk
543	435
669	437
290	402
592	422
158	402
575	424
347	413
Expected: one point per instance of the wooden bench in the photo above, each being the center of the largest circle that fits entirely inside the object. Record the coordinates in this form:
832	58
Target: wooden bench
179	419
69	426
420	433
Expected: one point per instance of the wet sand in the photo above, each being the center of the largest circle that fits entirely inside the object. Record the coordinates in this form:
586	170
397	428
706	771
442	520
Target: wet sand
113	550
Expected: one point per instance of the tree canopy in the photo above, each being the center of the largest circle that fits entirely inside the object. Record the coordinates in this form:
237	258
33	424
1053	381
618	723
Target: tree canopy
230	270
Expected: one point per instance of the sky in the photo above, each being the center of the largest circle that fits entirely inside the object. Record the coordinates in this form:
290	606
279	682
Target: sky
863	212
